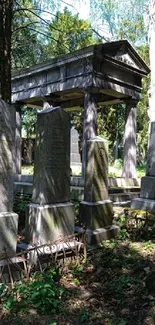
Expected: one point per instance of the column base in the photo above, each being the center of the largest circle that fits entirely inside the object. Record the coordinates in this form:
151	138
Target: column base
46	223
143	204
96	214
8	232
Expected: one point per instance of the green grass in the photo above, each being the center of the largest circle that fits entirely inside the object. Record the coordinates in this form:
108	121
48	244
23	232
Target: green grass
115	170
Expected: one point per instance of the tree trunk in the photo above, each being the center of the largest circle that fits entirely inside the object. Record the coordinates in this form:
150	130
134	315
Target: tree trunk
6	12
152	59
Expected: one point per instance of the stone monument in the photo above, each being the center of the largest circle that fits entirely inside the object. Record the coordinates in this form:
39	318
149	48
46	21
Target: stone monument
96	211
75	158
147	192
51	215
8	219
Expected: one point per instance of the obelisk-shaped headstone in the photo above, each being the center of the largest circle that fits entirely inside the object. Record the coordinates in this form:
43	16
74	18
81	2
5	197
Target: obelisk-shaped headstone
96	211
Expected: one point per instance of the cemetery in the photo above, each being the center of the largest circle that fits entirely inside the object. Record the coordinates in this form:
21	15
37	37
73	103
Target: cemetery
108	207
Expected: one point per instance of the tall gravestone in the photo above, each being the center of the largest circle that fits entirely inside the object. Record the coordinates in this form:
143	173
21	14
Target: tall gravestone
96	211
51	215
75	158
147	192
8	219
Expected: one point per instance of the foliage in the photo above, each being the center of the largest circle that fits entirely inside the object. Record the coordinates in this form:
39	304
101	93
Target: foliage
29	119
68	33
113	22
41	293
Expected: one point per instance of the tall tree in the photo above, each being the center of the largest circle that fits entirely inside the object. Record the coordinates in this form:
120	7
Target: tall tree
113	22
68	33
152	59
6	16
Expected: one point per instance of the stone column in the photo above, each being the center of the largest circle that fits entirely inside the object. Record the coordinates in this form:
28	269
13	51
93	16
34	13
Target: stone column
89	123
129	162
18	140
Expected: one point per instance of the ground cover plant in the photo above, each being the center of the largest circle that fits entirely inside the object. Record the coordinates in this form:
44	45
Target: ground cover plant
116	286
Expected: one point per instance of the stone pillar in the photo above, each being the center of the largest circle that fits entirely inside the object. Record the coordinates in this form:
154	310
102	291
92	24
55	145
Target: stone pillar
8	219
89	124
18	140
129	161
51	214
147	192
96	211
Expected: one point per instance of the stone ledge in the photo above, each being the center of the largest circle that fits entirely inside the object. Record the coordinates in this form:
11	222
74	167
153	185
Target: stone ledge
96	236
143	204
46	223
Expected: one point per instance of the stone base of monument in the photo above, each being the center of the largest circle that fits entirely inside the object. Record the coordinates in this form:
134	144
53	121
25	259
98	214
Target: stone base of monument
146	201
96	214
46	223
98	235
8	232
98	217
143	204
95	237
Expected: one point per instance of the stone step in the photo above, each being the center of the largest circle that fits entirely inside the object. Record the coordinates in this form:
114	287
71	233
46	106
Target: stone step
79	181
116	194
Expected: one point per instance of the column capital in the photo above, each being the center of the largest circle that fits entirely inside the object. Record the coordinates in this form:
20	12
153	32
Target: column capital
18	106
131	101
91	90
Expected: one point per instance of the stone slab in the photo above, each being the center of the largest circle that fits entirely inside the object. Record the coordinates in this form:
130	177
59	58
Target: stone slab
52	157
96	214
143	204
148	187
8	232
95	237
7	155
46	223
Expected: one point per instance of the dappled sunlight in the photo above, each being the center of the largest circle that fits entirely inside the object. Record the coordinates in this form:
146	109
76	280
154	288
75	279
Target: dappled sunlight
51	214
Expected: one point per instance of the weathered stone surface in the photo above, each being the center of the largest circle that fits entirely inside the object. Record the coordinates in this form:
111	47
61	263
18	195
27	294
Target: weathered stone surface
96	214
147	192
147	187
7	147
129	161
95	237
96	175
52	157
49	222
143	204
96	211
150	167
75	158
51	215
8	232
89	124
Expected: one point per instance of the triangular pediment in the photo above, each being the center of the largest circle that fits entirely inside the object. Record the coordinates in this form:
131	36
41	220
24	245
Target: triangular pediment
123	51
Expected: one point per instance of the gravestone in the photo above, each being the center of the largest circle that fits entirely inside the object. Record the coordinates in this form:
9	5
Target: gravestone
75	158
147	192
96	211
8	219
51	214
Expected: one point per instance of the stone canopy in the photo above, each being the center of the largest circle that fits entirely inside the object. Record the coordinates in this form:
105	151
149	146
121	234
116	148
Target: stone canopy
112	71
